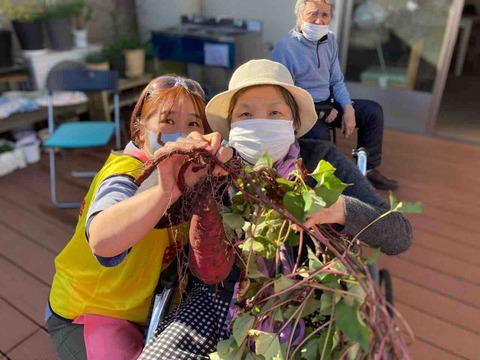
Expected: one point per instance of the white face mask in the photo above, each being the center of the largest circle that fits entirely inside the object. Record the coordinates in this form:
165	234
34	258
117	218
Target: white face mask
251	138
314	32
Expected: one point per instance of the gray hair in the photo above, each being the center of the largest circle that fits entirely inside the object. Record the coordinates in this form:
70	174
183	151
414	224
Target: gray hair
300	5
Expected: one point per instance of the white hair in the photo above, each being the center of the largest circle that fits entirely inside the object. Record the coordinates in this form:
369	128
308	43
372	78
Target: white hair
300	5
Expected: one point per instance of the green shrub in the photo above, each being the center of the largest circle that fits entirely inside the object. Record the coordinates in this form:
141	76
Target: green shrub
28	11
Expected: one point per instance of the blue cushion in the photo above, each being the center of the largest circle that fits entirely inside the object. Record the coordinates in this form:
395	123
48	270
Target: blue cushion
81	134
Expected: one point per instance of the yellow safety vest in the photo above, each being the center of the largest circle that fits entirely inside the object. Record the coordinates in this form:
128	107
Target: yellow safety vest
82	286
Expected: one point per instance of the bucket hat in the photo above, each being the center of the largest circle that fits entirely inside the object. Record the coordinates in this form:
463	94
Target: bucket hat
259	72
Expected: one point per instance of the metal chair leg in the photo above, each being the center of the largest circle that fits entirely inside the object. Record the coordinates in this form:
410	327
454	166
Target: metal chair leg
53	184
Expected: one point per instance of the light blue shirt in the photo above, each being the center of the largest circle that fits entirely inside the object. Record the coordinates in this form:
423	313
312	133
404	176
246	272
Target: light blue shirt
314	65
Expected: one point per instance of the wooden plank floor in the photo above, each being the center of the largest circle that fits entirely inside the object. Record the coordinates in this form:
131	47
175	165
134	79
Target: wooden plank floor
436	283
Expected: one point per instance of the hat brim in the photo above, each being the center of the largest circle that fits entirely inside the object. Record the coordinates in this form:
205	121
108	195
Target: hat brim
217	108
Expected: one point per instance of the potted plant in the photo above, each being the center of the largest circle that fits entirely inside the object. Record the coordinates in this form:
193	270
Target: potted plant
114	53
126	55
58	20
6	58
97	61
134	53
82	15
26	21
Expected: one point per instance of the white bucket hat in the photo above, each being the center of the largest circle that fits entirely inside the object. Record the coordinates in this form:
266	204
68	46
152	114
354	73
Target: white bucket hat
259	72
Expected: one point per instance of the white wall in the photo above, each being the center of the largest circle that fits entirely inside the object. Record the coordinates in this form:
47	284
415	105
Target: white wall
156	14
277	15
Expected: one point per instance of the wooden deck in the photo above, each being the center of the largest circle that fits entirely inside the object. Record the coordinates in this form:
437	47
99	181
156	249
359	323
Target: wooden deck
436	283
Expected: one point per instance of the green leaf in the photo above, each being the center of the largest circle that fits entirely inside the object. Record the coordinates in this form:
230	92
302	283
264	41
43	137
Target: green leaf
278	315
323	342
405	207
293	238
330	188
311	306
373	257
313	203
314	263
233	221
357	290
265	160
285	185
332	281
322	168
261	246
283	283
310	350
253	271
326	301
410	208
226	346
252	356
267	344
241	326
349	322
294	204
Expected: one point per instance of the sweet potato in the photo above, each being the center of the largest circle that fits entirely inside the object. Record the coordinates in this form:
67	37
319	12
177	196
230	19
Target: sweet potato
211	255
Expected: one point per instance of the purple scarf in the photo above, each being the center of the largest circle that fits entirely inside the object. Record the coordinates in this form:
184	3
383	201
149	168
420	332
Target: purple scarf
287	164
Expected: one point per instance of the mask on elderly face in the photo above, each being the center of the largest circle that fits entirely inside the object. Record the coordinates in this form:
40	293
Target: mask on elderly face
314	32
251	138
152	138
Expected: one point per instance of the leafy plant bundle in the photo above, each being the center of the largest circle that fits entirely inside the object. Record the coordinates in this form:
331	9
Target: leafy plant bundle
324	307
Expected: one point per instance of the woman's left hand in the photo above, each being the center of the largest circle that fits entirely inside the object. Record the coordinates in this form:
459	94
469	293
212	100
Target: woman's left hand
335	214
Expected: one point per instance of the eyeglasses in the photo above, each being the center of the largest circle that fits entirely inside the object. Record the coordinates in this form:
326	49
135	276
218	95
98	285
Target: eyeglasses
167	82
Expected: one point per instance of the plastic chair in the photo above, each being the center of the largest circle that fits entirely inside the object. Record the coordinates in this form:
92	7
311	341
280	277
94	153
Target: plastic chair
81	134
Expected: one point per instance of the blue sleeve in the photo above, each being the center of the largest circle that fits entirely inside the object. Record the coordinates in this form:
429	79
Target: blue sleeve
337	80
111	191
281	55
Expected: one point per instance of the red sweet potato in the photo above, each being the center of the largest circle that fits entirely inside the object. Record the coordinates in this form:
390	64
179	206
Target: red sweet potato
211	255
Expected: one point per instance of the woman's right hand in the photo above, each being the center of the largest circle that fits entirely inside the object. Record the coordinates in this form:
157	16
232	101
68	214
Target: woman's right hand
169	168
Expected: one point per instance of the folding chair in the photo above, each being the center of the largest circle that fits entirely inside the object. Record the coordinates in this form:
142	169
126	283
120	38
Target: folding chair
81	134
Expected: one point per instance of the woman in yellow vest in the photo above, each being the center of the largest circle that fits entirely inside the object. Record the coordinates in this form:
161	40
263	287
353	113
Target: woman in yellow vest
106	275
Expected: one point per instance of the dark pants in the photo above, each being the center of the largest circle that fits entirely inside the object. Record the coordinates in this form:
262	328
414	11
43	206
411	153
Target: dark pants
369	119
67	338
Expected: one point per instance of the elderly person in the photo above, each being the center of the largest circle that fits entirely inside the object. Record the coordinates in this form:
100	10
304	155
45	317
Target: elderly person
264	111
310	52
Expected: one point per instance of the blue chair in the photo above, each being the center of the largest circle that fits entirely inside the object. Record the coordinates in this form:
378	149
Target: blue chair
80	134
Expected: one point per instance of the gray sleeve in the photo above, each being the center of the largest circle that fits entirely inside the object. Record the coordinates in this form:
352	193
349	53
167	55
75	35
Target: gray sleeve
363	205
111	191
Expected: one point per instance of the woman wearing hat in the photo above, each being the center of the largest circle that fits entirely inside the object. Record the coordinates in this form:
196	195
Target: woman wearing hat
264	111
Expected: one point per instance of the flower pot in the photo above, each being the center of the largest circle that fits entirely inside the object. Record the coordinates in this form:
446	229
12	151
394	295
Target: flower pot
134	62
31	150
80	38
29	34
60	34
6	59
99	66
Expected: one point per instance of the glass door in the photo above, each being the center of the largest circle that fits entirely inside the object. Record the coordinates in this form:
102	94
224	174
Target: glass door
397	52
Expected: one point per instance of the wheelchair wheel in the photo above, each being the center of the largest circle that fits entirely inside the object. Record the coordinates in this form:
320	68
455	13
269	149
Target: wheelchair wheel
386	287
